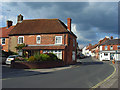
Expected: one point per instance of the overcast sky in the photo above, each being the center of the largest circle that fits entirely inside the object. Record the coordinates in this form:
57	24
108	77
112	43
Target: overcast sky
91	21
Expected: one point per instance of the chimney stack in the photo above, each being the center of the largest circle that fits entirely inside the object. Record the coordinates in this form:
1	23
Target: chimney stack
111	37
69	24
9	23
20	18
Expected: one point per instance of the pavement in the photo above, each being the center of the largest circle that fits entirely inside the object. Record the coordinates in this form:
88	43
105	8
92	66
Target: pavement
111	81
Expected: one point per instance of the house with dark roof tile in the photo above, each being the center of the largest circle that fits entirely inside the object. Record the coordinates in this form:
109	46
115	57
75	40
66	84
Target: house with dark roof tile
4	38
44	35
110	50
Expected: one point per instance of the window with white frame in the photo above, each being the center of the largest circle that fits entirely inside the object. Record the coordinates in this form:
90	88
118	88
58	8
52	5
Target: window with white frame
111	47
58	40
73	42
105	47
3	41
38	39
118	47
58	53
20	39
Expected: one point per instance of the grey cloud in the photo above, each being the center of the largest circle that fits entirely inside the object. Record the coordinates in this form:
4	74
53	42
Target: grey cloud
87	16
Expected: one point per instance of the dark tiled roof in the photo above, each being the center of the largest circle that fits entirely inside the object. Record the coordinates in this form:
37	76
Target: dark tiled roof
94	46
112	42
40	26
4	31
103	41
43	47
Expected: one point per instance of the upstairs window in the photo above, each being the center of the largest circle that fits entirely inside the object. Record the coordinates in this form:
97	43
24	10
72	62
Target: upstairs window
111	47
118	47
3	41
58	40
20	39
38	39
105	47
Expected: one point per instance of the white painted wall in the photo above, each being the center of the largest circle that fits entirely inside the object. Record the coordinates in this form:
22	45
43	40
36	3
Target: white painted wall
117	57
103	57
100	48
84	51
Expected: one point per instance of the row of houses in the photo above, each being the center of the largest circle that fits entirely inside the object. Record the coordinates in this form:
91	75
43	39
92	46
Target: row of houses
40	35
106	49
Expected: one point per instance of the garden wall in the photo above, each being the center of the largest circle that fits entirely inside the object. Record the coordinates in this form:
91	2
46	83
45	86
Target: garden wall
36	64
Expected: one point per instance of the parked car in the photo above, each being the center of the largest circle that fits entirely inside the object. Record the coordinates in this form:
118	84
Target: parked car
10	58
81	56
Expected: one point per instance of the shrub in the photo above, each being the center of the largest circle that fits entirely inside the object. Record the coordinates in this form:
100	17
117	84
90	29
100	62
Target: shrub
53	57
20	59
20	46
31	58
37	56
44	57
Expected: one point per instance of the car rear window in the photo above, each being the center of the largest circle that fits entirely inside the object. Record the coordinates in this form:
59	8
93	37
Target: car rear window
11	56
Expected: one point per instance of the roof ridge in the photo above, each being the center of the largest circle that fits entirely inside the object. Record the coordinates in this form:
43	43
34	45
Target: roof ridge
40	19
62	25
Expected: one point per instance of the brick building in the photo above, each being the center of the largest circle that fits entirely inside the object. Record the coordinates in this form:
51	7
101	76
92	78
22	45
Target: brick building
109	49
4	38
93	50
44	35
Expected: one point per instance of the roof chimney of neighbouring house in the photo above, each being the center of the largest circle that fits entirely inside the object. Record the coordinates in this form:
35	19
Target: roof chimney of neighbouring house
9	23
111	37
20	18
69	24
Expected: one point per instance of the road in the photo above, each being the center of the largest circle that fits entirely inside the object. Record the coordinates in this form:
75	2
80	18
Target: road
86	75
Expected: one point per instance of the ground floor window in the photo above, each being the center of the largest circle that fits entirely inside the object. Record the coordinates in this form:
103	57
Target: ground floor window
73	55
58	53
3	41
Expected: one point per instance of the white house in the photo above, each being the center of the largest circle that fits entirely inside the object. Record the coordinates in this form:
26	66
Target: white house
110	49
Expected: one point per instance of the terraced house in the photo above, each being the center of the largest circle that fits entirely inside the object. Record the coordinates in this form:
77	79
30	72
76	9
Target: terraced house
44	35
4	38
110	49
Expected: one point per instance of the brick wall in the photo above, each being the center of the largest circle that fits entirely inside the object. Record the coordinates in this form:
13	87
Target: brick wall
31	40
45	40
108	47
5	47
70	48
12	43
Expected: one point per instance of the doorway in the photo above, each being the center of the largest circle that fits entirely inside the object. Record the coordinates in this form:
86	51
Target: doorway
111	56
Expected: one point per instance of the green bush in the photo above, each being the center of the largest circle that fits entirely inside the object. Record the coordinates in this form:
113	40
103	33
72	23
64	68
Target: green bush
44	57
20	46
20	59
31	58
53	57
37	56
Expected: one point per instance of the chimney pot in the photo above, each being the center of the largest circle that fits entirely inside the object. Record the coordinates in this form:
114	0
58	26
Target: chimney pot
69	24
20	18
111	37
9	23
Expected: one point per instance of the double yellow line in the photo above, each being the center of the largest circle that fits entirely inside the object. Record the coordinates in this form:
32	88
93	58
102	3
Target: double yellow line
104	79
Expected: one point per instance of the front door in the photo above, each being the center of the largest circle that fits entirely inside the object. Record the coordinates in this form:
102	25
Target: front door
111	56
